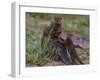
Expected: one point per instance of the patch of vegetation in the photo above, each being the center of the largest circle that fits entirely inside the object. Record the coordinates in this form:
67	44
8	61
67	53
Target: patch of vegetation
41	55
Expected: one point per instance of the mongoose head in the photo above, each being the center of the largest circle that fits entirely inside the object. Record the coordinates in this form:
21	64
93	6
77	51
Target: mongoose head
58	20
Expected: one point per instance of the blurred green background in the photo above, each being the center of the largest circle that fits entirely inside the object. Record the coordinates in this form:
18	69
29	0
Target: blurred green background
37	22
